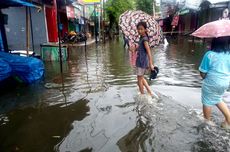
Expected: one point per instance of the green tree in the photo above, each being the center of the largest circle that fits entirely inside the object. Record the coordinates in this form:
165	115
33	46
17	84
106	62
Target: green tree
146	6
114	8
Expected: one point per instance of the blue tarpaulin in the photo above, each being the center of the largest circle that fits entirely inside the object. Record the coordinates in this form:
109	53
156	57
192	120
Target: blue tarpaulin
11	3
5	70
25	69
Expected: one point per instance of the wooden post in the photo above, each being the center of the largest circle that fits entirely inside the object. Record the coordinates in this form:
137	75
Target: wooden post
84	24
3	33
31	28
95	22
27	32
59	35
99	22
103	21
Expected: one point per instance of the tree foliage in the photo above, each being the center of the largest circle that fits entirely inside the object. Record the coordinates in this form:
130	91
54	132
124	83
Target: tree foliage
114	8
117	7
145	5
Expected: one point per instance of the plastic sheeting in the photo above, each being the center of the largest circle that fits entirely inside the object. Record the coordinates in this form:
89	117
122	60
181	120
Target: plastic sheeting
26	69
5	70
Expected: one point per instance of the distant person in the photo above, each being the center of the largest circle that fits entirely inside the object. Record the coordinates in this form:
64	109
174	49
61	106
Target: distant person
174	23
225	15
126	41
215	71
144	58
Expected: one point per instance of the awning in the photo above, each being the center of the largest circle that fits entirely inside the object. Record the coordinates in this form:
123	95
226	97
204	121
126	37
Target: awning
15	3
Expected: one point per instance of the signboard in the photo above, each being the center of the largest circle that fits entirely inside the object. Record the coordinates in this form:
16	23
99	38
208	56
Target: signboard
184	11
91	1
175	20
70	12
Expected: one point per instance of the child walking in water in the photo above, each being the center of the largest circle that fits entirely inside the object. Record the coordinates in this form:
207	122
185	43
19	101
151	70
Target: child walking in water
144	58
215	71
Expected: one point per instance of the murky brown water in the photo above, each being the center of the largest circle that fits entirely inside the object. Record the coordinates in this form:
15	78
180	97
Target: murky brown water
97	107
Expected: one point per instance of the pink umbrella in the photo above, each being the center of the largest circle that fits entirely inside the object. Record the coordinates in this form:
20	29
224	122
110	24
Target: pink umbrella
130	19
214	29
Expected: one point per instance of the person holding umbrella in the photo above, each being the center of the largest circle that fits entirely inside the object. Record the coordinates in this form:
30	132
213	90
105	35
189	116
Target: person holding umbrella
225	15
144	59
142	32
215	68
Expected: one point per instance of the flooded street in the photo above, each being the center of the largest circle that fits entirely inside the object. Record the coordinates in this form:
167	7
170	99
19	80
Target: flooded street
94	105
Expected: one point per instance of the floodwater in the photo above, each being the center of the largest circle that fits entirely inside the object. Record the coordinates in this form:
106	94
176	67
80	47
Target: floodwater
94	105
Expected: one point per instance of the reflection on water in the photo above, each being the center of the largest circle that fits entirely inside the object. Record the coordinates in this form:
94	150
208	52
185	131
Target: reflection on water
178	64
91	106
40	128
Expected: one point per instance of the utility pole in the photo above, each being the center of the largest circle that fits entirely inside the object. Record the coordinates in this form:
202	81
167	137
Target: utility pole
31	29
57	6
99	21
95	23
154	8
102	21
84	24
103	18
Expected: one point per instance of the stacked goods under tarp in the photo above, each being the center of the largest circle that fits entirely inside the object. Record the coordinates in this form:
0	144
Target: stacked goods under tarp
25	69
5	70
